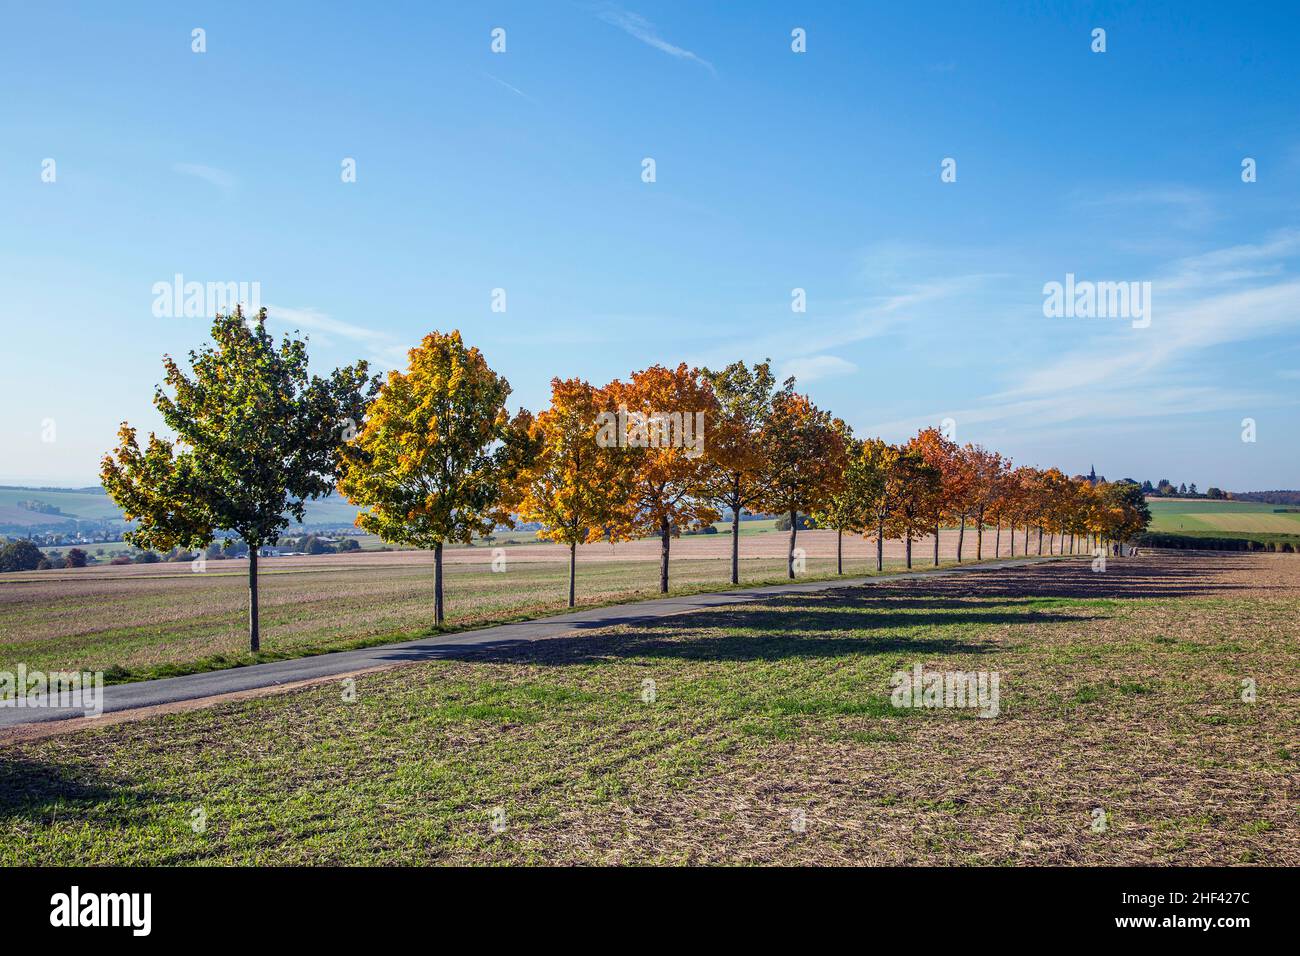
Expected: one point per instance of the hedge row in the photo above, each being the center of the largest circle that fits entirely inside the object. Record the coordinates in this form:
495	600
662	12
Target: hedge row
1152	539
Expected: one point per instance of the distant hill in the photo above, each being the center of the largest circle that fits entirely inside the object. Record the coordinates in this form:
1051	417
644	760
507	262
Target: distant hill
72	504
93	506
22	518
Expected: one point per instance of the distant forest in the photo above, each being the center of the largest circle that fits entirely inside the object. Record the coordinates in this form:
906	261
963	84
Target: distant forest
1269	497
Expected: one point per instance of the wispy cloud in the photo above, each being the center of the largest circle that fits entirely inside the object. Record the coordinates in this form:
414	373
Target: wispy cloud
209	174
382	349
1201	304
638	26
918	286
834	325
1238	263
512	89
814	367
1191	208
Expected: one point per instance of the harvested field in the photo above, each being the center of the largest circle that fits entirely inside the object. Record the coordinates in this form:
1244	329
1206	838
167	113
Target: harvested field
1122	737
136	621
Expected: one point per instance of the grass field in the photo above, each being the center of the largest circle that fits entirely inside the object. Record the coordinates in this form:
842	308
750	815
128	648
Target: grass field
141	621
1195	516
770	738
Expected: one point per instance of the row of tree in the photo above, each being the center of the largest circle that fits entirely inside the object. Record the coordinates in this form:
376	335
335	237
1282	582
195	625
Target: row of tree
432	456
1165	488
24	555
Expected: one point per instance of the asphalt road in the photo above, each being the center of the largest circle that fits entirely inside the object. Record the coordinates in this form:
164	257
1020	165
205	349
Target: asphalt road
170	690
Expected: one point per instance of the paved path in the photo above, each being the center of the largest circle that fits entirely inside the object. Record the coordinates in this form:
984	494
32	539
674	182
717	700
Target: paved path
169	690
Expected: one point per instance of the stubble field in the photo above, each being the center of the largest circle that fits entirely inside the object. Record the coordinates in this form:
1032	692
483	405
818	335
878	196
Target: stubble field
141	621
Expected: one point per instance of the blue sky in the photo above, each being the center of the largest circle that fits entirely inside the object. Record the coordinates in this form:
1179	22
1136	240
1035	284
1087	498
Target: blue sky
775	170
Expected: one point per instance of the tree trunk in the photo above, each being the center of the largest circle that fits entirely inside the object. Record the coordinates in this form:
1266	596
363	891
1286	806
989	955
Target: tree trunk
936	544
997	541
839	551
1040	540
1026	539
1011	537
794	523
909	551
573	567
961	536
735	543
979	539
880	546
665	529
437	584
254	632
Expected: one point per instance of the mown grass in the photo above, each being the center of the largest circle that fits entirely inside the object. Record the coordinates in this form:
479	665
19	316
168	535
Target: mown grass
695	739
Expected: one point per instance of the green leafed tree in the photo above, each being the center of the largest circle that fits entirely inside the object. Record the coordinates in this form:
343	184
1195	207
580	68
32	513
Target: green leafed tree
737	471
846	508
21	555
877	478
804	458
1130	512
256	437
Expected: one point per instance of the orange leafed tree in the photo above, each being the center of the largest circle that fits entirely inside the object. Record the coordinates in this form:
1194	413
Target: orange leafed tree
1014	502
1031	482
1005	507
1048	484
986	469
804	452
664	471
943	455
571	485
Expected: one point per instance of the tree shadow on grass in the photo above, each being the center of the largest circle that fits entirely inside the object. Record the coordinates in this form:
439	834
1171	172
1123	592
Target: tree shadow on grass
39	791
782	628
1141	578
857	619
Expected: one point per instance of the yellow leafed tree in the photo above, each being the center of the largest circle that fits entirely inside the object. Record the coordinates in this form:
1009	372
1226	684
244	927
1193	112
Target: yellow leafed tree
438	454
